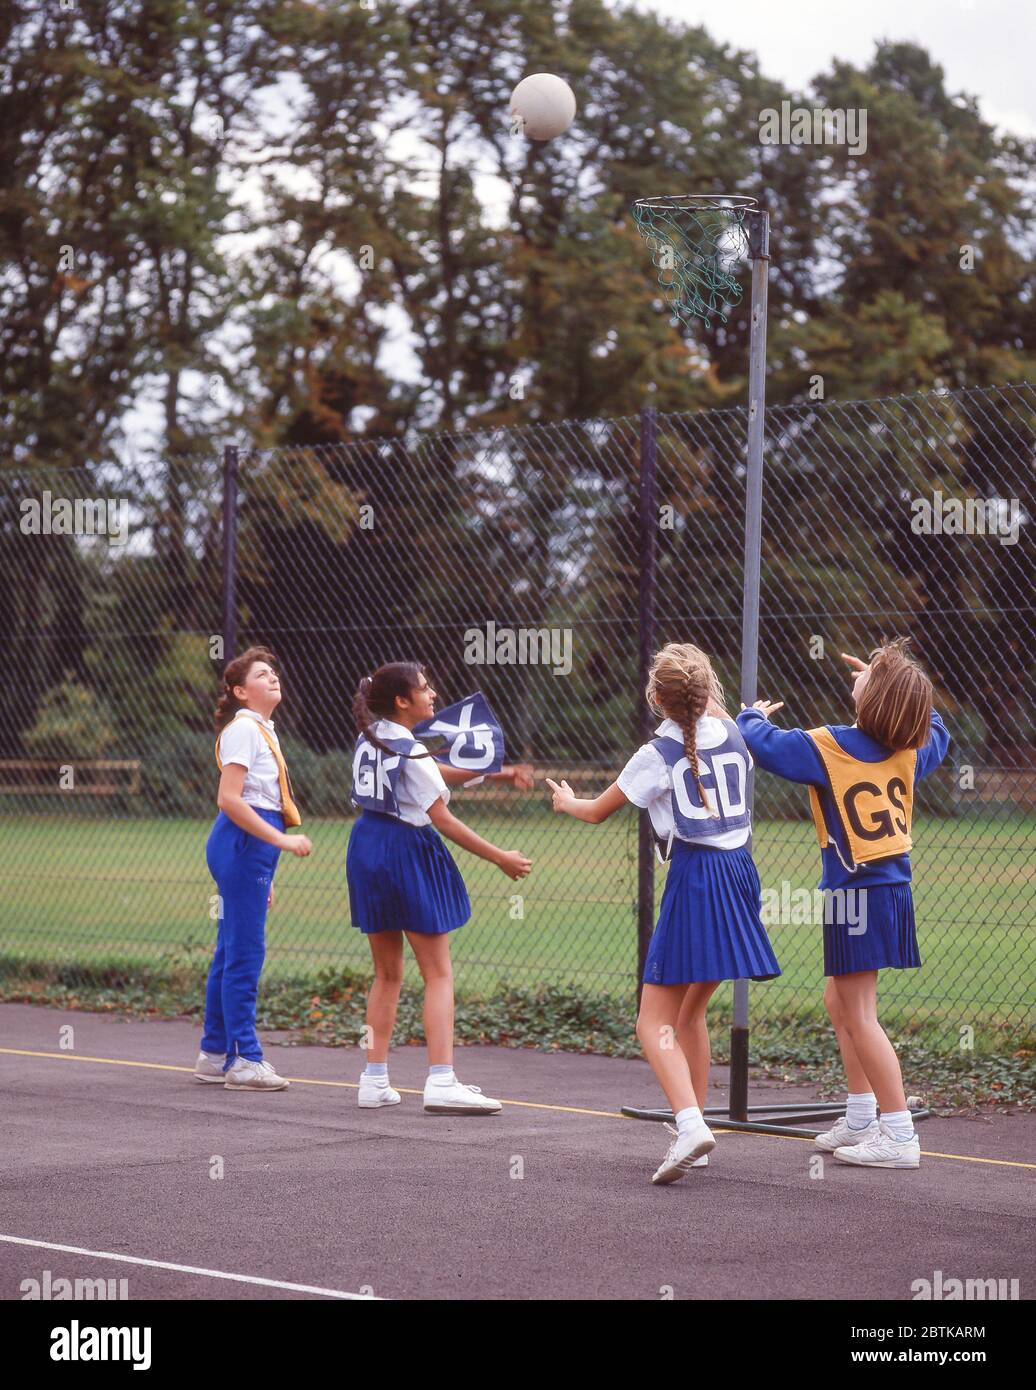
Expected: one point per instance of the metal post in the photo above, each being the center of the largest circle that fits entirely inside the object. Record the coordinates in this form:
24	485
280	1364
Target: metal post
648	543
760	252
229	552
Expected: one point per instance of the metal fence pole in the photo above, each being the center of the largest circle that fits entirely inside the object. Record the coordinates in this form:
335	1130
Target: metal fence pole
229	552
760	251
648	550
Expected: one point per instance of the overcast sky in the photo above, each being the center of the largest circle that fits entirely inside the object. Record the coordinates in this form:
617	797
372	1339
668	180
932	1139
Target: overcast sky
986	47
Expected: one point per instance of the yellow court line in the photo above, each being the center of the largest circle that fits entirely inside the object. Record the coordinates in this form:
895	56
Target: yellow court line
717	1127
296	1080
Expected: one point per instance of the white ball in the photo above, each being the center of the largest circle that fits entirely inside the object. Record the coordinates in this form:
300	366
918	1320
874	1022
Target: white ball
545	104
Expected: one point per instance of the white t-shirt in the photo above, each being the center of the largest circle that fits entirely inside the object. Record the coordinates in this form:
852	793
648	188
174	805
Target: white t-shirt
420	781
646	781
242	743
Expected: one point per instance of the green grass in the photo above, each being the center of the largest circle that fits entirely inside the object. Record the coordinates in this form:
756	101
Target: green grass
92	891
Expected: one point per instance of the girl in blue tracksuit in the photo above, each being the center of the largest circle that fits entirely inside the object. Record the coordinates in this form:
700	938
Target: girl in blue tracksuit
861	779
255	804
693	779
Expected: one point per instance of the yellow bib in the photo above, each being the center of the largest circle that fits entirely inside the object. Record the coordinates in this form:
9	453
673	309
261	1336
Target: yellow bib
291	811
874	801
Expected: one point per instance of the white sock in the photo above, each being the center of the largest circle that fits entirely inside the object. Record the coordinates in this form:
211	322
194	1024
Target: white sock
441	1074
899	1125
376	1071
687	1119
861	1110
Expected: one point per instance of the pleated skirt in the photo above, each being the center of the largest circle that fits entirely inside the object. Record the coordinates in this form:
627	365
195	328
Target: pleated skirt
402	878
709	923
881	934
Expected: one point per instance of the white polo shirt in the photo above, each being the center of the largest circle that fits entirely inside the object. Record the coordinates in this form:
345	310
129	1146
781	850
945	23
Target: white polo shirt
646	781
242	743
420	781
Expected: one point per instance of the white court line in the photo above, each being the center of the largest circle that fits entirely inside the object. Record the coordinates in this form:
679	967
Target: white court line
191	1269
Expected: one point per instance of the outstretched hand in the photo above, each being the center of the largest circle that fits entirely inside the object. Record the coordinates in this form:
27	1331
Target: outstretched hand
522	777
765	708
563	794
514	864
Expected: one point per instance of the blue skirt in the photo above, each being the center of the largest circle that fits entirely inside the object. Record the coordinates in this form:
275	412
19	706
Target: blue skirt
874	932
402	878
709	924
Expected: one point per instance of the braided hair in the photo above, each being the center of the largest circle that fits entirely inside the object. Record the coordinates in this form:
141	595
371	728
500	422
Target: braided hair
376	699
683	686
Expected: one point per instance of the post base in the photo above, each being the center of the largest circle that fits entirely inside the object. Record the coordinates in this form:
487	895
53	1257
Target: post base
767	1119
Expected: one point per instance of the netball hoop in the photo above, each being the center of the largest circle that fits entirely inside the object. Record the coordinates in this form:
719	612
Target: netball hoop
698	242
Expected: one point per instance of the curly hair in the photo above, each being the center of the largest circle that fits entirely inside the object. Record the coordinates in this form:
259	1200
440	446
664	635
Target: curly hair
235	673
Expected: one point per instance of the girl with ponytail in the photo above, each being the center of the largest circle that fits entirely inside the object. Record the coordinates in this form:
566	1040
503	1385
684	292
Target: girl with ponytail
255	803
693	778
403	881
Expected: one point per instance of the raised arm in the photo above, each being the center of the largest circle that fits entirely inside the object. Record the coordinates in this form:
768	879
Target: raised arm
931	755
788	753
520	775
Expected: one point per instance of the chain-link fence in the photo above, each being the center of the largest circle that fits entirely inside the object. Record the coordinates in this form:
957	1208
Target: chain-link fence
513	561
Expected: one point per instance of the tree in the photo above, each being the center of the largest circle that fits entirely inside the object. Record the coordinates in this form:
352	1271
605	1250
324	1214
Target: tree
71	723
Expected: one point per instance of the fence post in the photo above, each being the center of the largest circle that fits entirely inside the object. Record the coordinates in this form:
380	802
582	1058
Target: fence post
229	552
760	252
647	545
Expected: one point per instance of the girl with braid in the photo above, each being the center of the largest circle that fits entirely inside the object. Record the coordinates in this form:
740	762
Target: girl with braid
693	778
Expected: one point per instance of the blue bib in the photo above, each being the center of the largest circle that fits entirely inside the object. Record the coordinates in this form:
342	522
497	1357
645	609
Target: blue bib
475	741
376	774
726	776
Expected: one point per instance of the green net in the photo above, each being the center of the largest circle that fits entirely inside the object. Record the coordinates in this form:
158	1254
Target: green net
697	242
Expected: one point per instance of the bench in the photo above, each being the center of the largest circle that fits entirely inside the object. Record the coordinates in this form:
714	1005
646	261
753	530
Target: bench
90	776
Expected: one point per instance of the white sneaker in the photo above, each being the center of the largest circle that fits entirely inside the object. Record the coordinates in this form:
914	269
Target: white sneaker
685	1152
209	1067
245	1075
842	1134
882	1151
455	1099
374	1092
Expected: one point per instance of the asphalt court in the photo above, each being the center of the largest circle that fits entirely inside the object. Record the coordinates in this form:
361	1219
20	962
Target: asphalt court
111	1149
